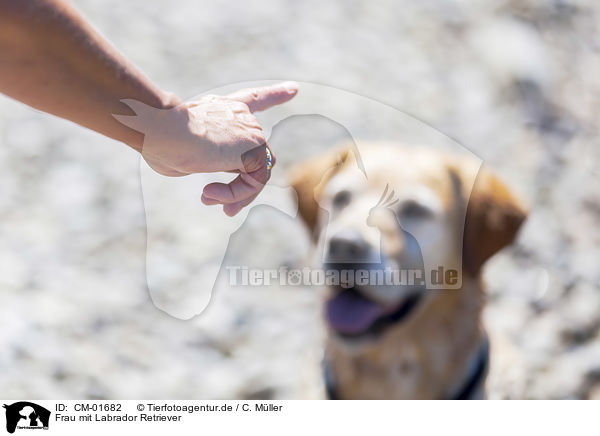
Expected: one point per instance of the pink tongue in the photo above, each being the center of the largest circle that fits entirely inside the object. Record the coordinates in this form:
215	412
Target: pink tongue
349	313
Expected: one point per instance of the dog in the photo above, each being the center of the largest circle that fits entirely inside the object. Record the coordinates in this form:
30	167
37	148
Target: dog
399	207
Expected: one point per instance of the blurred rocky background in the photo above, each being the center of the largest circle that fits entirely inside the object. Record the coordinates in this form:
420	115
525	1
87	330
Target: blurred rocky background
515	82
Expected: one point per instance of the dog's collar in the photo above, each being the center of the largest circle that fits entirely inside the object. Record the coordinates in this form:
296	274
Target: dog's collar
477	374
466	392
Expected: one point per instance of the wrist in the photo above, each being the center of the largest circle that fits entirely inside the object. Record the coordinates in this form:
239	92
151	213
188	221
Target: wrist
161	101
169	100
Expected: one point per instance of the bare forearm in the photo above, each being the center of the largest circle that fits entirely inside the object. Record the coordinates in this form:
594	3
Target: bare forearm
51	59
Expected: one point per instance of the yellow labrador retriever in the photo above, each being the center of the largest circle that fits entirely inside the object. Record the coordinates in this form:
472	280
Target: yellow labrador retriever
392	210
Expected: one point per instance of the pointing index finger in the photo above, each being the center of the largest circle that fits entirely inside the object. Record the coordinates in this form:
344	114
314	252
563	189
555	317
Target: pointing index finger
259	99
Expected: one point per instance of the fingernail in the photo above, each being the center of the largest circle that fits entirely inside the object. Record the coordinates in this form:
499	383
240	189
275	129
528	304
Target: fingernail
290	87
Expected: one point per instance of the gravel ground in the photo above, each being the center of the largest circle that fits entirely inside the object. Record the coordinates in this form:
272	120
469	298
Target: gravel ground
517	83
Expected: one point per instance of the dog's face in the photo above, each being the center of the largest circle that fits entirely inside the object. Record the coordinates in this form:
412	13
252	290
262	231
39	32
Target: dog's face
399	209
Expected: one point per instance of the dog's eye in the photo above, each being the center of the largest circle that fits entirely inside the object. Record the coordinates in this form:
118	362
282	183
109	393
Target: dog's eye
341	199
413	210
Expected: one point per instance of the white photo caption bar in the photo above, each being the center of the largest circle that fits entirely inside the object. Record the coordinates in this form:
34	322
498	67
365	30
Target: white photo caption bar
149	417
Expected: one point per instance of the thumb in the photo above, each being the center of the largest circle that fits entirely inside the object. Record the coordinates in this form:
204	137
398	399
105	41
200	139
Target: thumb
259	99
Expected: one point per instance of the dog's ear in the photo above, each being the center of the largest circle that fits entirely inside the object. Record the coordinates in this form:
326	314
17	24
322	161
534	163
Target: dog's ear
494	214
308	180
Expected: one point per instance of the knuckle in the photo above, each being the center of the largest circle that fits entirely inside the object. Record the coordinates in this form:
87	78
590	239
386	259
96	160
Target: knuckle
260	180
252	122
233	103
253	93
254	159
254	183
258	137
241	106
259	134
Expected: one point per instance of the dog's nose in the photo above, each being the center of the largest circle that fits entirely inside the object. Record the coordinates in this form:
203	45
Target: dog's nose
348	246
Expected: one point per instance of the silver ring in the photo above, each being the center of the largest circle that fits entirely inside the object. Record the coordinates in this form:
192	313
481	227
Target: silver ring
269	160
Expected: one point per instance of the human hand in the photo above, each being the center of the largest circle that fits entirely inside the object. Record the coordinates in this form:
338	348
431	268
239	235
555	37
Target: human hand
212	134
